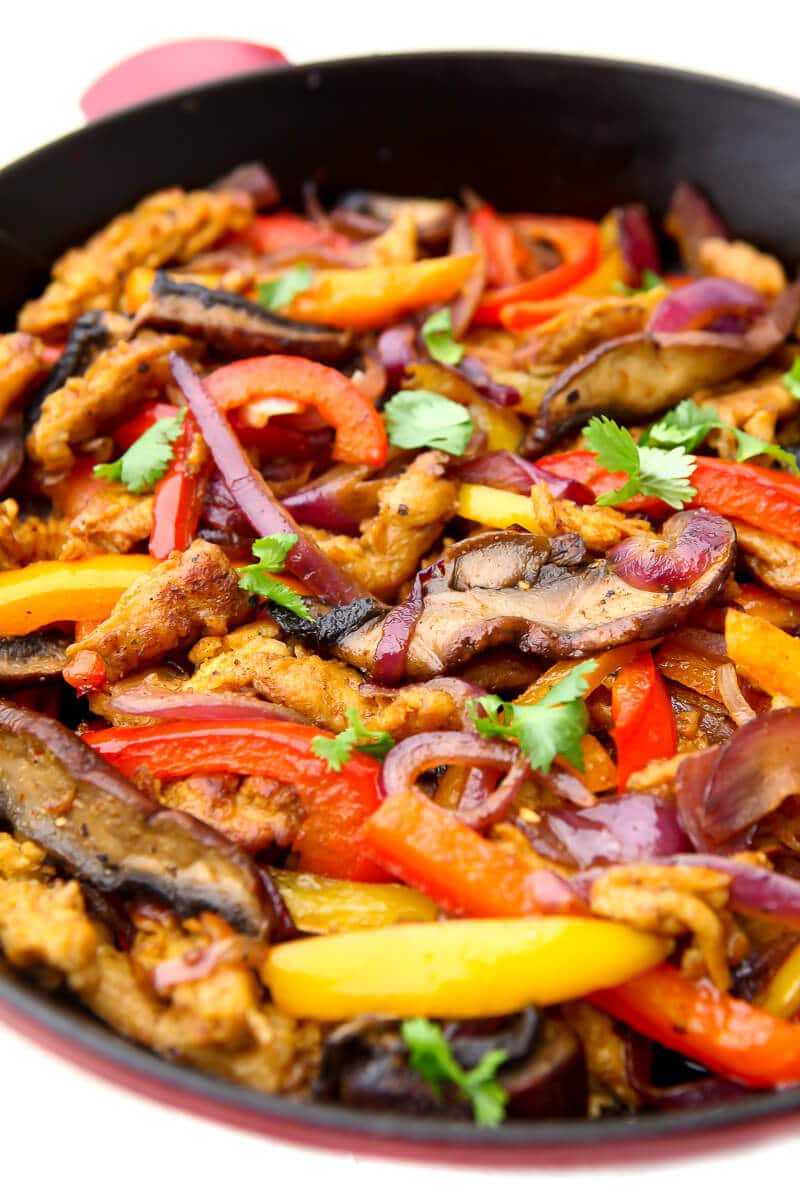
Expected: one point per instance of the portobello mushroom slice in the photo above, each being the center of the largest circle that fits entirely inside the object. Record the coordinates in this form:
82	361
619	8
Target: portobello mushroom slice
234	325
57	791
517	589
93	332
34	656
637	377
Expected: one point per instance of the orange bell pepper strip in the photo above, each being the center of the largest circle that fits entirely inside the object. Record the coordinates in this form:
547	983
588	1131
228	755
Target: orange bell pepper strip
179	495
577	241
287	231
46	593
371	297
728	1036
336	803
761	602
644	723
764	654
431	849
360	432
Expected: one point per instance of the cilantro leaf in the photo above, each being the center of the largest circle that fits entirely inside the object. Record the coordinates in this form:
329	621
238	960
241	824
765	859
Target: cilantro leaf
277	293
143	463
688	425
791	380
338	750
271	553
431	1057
554	725
650	281
437	334
651	471
420	418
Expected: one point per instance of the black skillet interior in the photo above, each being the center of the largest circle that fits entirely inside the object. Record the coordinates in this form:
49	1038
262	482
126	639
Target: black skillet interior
529	131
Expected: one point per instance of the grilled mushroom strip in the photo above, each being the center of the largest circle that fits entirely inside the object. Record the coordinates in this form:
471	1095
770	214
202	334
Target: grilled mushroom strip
635	378
540	596
234	325
57	791
36	656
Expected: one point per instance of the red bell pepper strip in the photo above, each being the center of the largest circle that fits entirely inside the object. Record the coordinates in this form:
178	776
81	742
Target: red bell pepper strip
287	231
727	1035
360	433
429	848
179	495
130	431
644	723
583	467
507	255
86	672
760	496
336	803
577	241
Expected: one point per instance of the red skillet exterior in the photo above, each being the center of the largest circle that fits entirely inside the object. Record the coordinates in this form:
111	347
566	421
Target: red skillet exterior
579	135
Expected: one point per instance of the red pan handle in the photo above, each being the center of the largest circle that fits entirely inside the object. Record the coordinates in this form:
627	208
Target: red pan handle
172	66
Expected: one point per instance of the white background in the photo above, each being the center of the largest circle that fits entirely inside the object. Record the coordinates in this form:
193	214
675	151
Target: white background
66	1134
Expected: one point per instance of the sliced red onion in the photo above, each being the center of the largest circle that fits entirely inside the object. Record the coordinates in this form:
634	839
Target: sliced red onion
731	693
725	792
753	890
475	371
690	220
635	827
512	473
637	241
689	543
254	179
328	502
391	653
12	448
150	698
704	1091
700	304
396	351
463	240
264	512
424	751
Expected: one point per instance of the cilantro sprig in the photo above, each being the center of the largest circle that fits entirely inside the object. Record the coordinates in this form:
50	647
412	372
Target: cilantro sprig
437	334
271	553
431	1057
421	418
277	293
689	424
650	281
553	725
338	751
651	471
147	459
791	380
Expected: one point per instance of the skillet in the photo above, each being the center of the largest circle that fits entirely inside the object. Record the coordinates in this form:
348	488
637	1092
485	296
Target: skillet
579	135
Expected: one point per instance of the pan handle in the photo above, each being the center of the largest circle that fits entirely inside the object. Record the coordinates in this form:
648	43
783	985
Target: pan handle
172	66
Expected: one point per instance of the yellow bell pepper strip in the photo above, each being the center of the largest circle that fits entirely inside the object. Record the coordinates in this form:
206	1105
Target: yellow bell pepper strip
48	592
456	969
729	1036
430	848
371	297
495	507
764	654
781	996
322	905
